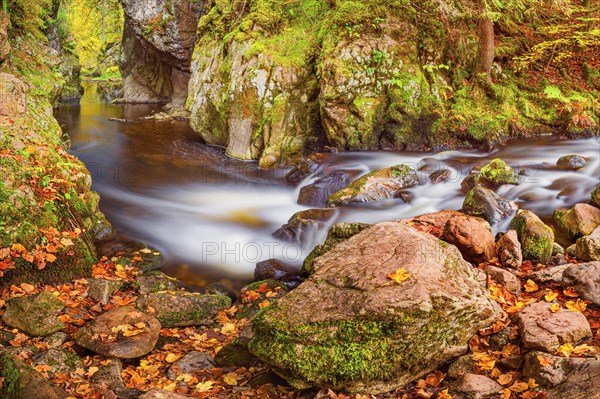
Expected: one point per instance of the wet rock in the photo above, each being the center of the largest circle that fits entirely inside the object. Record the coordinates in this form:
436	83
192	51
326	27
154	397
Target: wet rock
499	340
236	354
400	330
469	182
58	361
585	280
21	381
535	237
461	366
571	251
577	222
571	162
316	194
104	334
504	278
192	362
256	293
35	315
162	394
588	248
485	203
273	269
55	340
180	308
437	220
552	274
472	236
376	186
304	224
155	281
596	196
440	176
101	289
305	167
108	381
496	173
564	377
267	377
508	250
338	233
542	329
512	362
221	289
475	386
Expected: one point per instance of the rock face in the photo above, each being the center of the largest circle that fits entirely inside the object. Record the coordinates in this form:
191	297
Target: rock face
375	186
562	377
585	279
472	236
158	40
352	327
125	333
34	315
508	249
485	203
579	221
180	308
588	247
535	237
545	330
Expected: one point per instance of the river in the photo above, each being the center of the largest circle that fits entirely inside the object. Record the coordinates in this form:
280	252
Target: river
213	216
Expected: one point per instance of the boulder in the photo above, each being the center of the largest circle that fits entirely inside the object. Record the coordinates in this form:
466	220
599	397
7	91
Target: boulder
504	278
57	361
190	363
108	381
461	366
35	315
155	281
437	220
496	173
485	203
588	248
375	186
440	176
544	330
316	193
577	222
475	386
564	377
571	162
101	289
508	250
472	236
273	269
235	354
21	381
557	249
124	333
536	238
585	280
257	293
380	310
181	308
339	232
469	182
55	340
552	274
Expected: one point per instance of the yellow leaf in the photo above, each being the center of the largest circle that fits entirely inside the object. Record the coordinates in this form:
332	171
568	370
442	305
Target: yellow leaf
519	386
555	307
565	349
171	357
400	275
531	286
205	386
532	384
231	378
550	296
227	328
544	361
505	379
585	348
443	395
184	377
576	306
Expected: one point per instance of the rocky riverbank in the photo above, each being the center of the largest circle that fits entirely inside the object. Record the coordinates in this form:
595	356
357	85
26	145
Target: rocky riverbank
430	307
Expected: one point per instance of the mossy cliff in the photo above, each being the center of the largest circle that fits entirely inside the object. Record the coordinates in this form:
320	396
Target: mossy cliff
272	79
49	215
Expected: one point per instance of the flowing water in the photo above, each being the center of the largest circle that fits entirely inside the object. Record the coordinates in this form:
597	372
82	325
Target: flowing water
213	216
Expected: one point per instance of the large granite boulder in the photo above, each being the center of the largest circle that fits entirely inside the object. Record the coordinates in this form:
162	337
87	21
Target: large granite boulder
381	309
35	315
588	248
578	221
486	204
585	280
536	238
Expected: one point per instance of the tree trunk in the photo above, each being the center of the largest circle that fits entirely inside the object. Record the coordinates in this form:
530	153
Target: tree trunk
485	55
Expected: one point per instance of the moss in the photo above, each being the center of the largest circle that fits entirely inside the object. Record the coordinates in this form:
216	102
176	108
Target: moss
12	384
537	239
498	172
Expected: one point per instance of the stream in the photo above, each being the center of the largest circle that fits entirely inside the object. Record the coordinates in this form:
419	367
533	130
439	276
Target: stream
213	216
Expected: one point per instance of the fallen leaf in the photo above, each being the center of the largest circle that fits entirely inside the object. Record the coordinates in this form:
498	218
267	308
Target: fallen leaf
550	296
205	386
400	275
576	306
565	349
531	286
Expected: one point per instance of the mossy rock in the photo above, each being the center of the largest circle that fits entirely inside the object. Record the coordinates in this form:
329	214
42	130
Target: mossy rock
181	308
155	281
235	353
339	232
496	173
257	293
537	239
376	186
484	203
596	196
578	221
20	381
35	315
